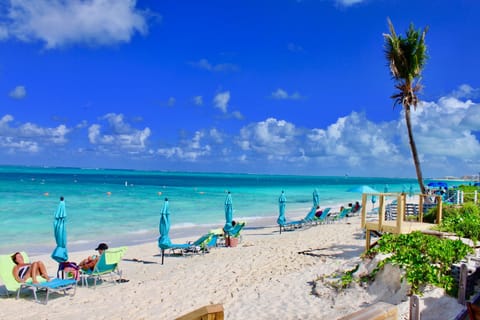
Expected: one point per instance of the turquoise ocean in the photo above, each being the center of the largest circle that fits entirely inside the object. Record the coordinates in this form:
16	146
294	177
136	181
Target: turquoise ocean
122	207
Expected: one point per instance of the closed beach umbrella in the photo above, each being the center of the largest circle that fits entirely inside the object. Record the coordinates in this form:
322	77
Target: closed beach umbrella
316	199
385	189
164	241
60	254
410	191
374	199
228	213
282	201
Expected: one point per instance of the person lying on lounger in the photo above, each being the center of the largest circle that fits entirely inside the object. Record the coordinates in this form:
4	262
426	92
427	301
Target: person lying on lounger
90	262
23	271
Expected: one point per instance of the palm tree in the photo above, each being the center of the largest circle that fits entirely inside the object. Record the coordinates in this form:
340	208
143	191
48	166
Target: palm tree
406	58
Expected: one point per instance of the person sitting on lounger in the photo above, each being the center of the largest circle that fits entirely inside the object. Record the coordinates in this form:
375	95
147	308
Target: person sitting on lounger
90	262
318	212
356	207
22	271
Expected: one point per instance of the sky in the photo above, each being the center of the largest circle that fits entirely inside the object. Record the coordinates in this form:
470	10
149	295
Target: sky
248	86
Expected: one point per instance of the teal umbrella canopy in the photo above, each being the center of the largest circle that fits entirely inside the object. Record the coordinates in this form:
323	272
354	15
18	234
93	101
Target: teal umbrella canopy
316	204
164	241
362	189
228	214
316	199
60	254
282	201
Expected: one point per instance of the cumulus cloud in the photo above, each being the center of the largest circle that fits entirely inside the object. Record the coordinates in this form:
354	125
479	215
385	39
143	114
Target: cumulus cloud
171	101
446	133
281	94
348	3
465	91
221	100
58	23
29	137
18	93
190	150
273	137
237	115
198	100
118	135
294	47
204	64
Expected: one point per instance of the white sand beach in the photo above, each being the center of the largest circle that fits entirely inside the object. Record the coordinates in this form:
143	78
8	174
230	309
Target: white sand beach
264	277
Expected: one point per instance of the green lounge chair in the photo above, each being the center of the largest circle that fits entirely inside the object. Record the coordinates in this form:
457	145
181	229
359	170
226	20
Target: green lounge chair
11	284
323	217
341	215
309	218
106	266
236	232
202	244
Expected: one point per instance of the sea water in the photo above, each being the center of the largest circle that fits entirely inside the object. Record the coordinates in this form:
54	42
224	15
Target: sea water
123	207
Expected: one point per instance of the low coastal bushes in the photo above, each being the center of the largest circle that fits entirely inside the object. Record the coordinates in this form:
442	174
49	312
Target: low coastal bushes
425	259
464	221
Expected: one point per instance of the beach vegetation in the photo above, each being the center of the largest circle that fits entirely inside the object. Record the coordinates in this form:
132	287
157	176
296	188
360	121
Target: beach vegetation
406	58
424	258
463	220
341	280
469	192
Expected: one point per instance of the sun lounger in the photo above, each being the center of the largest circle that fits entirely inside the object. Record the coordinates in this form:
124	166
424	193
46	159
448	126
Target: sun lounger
323	217
107	266
309	218
54	285
340	216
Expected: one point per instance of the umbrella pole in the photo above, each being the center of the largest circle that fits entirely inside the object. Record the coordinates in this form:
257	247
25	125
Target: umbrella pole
163	254
280	229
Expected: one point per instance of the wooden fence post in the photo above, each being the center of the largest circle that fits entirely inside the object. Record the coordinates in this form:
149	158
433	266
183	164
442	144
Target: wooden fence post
414	307
462	284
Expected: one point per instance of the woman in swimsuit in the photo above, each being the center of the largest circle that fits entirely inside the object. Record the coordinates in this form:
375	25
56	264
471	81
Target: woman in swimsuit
23	271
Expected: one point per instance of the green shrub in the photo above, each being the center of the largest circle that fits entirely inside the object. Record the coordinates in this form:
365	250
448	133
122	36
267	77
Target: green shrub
468	192
463	221
426	259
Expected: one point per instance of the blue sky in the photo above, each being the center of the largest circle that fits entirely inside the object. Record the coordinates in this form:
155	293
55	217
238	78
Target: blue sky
280	87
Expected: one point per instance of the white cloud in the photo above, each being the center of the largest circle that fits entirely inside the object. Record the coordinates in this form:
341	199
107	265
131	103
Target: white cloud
171	101
294	47
221	67
189	150
237	115
348	3
29	137
18	93
271	137
465	91
118	135
281	94
198	100
446	133
58	23
221	101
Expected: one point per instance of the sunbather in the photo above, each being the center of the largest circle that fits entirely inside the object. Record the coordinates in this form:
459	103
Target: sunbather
23	271
90	262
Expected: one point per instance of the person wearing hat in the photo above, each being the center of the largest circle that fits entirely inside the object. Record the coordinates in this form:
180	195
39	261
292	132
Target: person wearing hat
90	262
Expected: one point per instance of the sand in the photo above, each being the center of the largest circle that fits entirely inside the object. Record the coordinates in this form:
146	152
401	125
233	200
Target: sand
264	277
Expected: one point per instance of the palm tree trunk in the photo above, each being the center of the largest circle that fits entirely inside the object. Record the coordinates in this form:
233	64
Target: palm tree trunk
413	147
